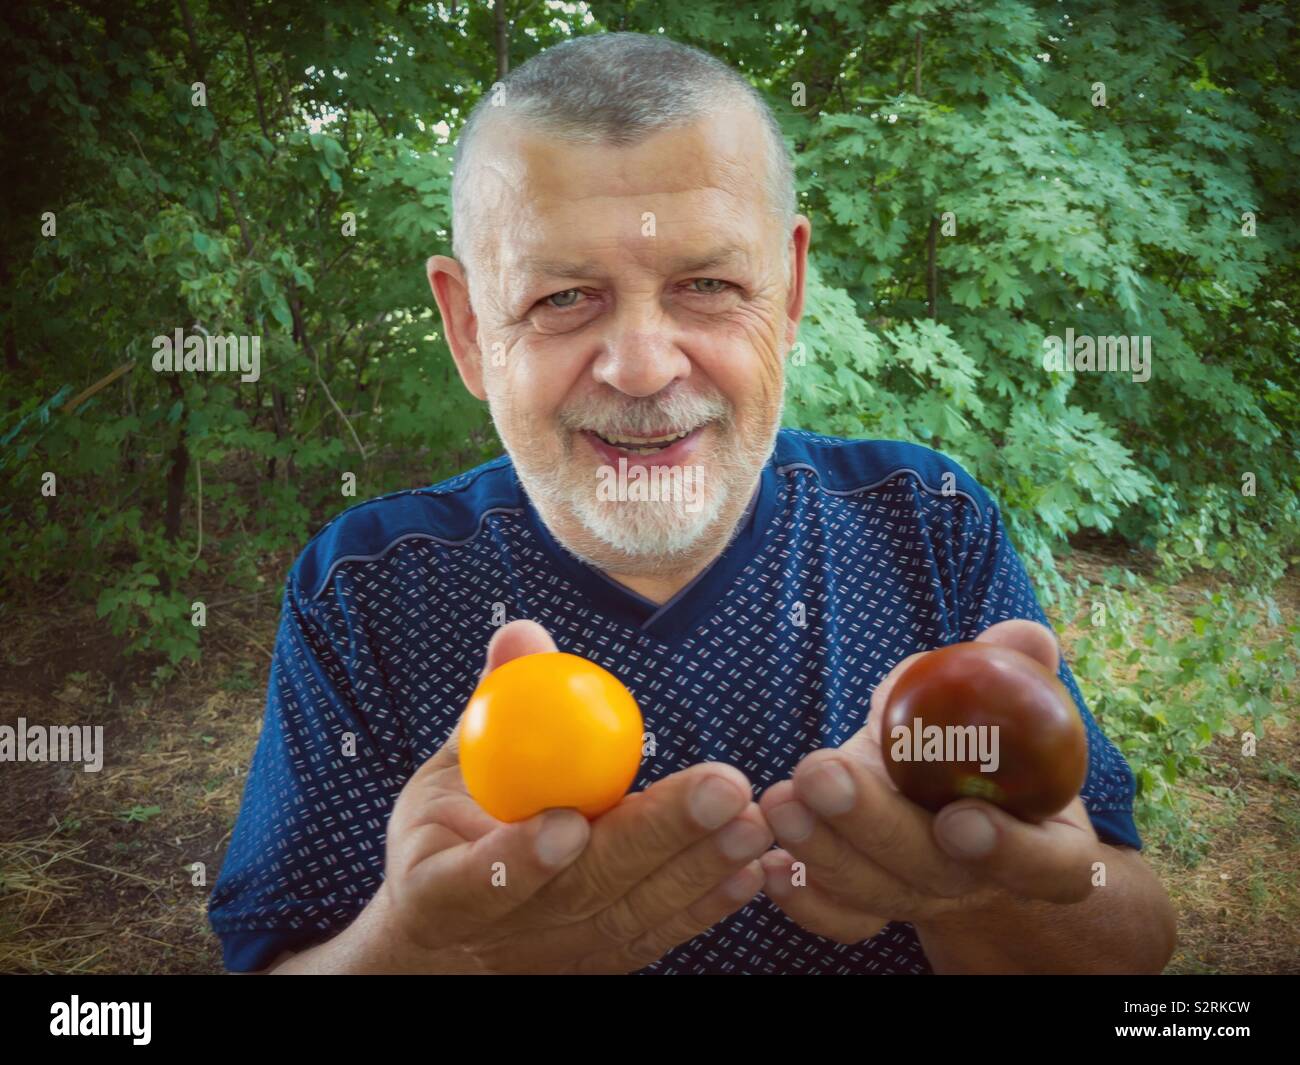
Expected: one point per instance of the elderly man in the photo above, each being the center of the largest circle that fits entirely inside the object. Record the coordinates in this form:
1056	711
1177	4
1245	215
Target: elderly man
627	283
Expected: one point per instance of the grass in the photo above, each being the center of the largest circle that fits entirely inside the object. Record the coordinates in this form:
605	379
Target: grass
93	879
1229	856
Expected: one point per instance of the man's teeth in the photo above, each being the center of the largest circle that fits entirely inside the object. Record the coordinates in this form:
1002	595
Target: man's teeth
641	441
643	445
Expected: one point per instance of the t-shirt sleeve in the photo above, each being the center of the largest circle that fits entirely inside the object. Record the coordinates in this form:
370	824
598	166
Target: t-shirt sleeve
307	851
994	586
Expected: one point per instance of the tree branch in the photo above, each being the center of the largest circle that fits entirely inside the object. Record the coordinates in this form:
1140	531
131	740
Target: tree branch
300	327
917	83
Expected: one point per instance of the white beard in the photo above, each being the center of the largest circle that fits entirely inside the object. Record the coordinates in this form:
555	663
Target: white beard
645	536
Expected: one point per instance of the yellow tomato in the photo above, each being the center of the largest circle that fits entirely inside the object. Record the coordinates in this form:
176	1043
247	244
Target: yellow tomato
546	730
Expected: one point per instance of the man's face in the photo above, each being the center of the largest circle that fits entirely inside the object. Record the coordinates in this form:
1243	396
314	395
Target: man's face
618	297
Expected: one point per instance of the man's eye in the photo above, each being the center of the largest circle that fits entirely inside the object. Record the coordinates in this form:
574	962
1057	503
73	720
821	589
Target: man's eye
710	281
567	298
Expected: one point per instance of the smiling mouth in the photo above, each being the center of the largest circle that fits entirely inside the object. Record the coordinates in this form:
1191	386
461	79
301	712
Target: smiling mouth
641	445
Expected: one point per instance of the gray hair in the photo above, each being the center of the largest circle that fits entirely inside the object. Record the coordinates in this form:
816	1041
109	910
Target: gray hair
618	88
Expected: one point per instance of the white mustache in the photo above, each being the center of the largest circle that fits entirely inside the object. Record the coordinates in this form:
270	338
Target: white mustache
674	417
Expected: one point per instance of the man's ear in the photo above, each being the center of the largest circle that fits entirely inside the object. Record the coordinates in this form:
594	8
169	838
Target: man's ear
450	288
800	238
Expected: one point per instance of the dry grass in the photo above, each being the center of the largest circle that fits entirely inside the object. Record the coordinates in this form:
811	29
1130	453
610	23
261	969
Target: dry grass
92	880
86	889
1239	907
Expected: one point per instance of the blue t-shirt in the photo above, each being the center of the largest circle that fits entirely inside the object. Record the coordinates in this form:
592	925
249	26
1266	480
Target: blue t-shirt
852	555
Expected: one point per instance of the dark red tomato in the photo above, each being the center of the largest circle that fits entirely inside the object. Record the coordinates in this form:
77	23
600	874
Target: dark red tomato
970	705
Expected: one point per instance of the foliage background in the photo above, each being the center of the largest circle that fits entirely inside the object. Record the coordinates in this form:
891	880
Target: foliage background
1122	219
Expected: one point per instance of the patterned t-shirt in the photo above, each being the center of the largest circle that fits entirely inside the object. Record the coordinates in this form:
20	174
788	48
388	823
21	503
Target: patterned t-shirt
852	555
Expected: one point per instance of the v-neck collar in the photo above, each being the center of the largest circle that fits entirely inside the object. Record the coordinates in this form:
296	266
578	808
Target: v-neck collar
676	617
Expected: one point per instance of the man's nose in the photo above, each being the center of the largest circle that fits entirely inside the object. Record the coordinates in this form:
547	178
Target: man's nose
641	355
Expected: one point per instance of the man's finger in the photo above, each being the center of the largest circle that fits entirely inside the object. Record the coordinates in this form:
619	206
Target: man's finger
1052	861
862	806
832	865
865	743
811	908
646	830
484	880
667	906
1028	637
687	877
519	638
701	915
881	692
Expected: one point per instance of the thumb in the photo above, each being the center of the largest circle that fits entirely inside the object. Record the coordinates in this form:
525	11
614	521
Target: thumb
1028	637
515	640
509	642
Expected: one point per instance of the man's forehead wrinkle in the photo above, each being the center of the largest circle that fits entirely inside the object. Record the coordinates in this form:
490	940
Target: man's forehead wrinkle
542	169
543	197
645	252
495	164
702	153
558	219
490	186
529	249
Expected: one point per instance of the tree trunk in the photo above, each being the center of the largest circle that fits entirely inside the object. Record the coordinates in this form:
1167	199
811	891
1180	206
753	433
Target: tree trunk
916	85
502	38
11	339
280	415
180	465
932	270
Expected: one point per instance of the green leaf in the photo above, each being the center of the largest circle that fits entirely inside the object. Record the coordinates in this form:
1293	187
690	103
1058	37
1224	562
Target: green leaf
280	311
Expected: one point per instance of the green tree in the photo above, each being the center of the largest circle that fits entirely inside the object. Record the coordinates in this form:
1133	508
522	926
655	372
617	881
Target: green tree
230	167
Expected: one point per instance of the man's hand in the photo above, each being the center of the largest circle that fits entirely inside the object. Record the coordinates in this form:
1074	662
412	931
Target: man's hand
611	896
872	856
